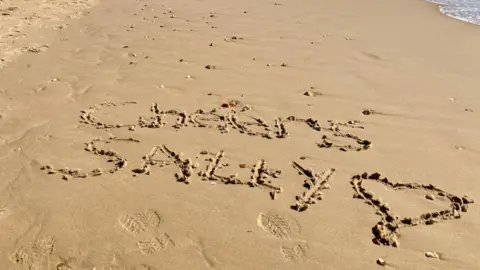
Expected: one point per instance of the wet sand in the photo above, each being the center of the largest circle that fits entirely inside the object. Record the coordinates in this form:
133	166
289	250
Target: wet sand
235	135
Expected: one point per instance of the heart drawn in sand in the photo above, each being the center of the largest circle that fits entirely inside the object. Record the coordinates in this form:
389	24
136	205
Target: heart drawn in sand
385	231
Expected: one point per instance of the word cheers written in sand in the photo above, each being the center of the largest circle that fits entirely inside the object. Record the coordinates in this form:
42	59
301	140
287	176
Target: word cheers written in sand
386	230
230	118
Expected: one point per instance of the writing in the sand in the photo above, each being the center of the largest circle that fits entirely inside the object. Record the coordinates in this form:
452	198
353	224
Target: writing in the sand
261	176
230	117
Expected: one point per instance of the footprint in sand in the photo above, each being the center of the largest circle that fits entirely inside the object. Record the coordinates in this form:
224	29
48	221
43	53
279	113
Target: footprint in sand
138	223
295	252
34	255
280	226
155	244
283	227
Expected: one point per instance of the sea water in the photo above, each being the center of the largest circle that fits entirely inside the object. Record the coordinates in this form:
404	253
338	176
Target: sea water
465	10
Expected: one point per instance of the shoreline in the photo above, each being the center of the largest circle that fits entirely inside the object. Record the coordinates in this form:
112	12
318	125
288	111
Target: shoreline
439	5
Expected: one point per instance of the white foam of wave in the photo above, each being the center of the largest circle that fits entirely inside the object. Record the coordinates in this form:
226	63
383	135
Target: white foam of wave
465	10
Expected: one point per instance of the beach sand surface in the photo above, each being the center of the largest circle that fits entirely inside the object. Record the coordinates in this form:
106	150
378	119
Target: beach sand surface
180	134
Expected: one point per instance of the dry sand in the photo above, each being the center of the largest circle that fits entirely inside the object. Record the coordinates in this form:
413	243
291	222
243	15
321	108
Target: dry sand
85	101
23	24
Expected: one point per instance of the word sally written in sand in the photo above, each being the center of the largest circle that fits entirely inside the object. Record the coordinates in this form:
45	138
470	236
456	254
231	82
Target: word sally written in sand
162	156
225	119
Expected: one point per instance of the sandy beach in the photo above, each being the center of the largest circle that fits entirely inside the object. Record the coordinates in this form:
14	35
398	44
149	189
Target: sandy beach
212	134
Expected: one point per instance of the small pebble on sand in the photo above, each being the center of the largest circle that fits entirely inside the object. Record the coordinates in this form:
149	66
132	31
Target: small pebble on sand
432	255
308	94
246	108
430	197
381	262
367	112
